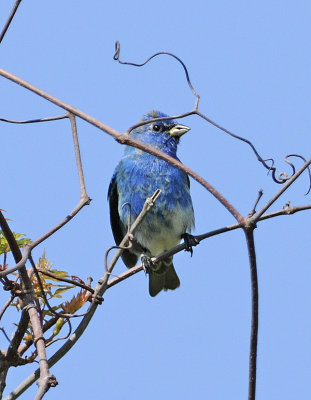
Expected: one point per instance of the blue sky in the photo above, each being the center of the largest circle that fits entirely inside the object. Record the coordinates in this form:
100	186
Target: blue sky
250	62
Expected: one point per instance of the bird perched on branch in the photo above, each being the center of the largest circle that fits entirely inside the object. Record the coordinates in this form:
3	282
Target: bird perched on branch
137	176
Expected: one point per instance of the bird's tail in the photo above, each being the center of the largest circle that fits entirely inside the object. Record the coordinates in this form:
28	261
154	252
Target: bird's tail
163	277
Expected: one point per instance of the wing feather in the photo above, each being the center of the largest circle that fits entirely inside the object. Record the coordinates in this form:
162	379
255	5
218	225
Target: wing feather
118	229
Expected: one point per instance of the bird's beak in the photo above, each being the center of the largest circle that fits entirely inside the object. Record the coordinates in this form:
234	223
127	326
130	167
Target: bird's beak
178	130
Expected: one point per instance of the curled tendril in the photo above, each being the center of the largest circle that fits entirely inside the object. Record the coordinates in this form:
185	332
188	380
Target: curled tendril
115	248
116	57
302	158
62	337
271	166
281	178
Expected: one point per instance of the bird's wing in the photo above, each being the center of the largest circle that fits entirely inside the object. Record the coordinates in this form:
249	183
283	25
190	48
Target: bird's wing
188	181
118	229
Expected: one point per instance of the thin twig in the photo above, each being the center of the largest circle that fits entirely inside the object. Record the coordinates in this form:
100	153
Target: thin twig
259	196
18	336
199	238
149	121
282	177
117	58
5	334
6	305
125	139
73	213
51	341
149	203
57	314
25	346
83	324
67	280
8	22
29	308
83	193
100	289
84	200
32	121
20	264
256	217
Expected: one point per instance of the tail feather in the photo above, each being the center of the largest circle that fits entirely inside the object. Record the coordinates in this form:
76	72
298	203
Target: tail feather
163	281
156	283
171	279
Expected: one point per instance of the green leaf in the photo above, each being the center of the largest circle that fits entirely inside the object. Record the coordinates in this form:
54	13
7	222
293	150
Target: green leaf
61	274
58	326
4	246
62	290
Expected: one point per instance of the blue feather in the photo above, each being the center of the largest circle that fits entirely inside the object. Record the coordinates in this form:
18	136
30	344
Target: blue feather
136	177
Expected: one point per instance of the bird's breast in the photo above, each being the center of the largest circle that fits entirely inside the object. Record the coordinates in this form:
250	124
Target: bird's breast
172	214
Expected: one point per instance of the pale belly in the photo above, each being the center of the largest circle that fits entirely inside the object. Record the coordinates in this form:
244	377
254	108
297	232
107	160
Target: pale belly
161	236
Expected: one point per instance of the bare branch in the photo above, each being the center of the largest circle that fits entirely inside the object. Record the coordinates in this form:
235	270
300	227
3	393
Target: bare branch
83	325
29	308
256	217
67	280
25	346
58	314
282	177
83	194
287	210
247	224
294	171
125	139
6	305
99	290
8	22
18	336
249	233
32	121
60	103
84	200
149	121
259	196
20	264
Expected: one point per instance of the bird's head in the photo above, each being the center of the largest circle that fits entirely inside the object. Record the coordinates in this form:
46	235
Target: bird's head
163	135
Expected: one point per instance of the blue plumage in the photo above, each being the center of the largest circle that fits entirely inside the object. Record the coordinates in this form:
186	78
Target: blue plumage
136	177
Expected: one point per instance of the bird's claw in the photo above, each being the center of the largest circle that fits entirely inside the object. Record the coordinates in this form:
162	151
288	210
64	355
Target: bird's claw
190	241
147	264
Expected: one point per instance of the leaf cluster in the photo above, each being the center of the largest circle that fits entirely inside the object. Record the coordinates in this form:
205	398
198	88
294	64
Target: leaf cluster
48	290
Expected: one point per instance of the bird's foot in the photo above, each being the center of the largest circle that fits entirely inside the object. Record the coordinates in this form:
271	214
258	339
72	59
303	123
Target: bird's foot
148	265
190	241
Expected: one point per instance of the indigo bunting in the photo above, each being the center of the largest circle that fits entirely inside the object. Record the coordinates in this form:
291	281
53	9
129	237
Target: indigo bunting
137	176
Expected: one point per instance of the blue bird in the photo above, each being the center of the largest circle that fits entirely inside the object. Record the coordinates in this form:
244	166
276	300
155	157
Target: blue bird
137	176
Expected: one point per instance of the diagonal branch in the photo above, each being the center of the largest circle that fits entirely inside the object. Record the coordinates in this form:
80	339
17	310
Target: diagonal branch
8	22
99	290
256	217
287	210
126	139
6	305
83	325
282	177
29	313
84	200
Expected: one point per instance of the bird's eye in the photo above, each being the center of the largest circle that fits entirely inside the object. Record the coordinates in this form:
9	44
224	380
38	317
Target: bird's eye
156	128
